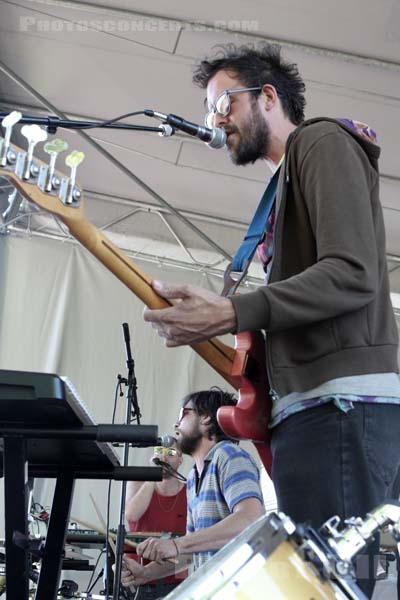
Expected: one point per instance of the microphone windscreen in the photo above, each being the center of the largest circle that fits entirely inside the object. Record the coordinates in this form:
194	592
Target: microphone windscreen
167	441
218	139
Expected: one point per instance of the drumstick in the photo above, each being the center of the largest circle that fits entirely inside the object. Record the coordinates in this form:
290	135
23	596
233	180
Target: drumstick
98	513
146	534
128	542
103	531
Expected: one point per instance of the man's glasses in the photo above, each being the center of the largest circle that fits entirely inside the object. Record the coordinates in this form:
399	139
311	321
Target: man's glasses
183	412
222	105
161	451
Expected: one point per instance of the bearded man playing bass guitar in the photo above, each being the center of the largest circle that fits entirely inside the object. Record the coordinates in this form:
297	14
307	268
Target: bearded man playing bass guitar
331	336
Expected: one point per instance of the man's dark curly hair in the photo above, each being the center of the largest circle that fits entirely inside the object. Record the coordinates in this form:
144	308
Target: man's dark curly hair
255	66
207	402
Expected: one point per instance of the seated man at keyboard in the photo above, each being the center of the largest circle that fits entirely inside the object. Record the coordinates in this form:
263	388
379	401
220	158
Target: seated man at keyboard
223	491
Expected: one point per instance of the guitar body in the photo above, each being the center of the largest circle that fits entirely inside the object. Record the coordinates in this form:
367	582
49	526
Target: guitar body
249	419
243	367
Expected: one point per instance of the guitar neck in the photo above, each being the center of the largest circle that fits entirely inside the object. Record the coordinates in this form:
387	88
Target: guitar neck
217	354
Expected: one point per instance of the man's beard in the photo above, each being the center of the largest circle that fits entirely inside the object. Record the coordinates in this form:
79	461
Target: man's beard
254	139
188	444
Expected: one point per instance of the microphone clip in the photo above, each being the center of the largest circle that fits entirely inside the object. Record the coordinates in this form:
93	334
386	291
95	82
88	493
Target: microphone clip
122	380
166	130
167	467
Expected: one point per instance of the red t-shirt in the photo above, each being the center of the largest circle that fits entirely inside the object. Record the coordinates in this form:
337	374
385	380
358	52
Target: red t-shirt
166	514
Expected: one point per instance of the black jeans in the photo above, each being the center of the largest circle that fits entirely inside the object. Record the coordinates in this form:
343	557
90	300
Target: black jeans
327	462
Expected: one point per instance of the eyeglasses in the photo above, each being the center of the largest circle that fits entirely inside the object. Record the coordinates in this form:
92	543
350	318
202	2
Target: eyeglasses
161	451
222	105
183	412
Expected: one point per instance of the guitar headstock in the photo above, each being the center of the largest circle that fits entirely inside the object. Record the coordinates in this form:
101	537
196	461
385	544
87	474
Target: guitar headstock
37	181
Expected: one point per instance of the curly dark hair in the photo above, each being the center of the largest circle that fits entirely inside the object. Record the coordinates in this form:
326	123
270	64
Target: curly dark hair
207	402
256	66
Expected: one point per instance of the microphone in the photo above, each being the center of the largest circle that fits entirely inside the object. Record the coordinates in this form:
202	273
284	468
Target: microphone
214	138
166	441
127	339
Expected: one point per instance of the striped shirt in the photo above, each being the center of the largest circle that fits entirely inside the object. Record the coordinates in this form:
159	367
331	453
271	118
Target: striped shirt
230	475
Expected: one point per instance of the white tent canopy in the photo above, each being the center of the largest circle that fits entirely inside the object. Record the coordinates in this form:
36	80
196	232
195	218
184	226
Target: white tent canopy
100	60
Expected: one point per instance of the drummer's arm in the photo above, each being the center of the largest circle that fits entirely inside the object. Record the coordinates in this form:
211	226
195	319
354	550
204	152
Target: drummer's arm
244	513
138	498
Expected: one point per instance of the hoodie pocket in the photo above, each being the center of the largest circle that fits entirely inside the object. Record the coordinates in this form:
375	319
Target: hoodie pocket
302	345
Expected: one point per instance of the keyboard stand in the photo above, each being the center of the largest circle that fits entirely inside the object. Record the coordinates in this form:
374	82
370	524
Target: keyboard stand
30	404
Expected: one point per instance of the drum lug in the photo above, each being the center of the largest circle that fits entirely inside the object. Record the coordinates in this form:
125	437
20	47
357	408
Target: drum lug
285	522
330	527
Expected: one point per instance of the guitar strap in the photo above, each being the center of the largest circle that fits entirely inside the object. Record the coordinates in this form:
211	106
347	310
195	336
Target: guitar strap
254	236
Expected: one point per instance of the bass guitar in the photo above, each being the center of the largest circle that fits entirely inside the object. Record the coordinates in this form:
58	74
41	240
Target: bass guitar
243	367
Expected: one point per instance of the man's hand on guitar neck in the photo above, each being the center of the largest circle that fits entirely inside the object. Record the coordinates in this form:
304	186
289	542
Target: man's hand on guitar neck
197	316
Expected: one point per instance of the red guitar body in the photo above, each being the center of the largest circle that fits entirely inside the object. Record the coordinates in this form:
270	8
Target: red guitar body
249	419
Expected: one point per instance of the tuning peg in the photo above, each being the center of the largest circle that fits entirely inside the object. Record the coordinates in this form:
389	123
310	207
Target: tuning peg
53	148
34	134
11	119
73	161
56	146
8	123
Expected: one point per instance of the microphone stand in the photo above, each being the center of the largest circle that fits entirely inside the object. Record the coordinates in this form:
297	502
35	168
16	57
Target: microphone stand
132	412
52	123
